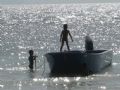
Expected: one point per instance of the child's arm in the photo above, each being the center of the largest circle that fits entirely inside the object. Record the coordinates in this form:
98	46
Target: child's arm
34	57
71	36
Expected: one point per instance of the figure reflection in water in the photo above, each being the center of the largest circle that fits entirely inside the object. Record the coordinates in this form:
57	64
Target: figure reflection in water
88	43
31	59
64	37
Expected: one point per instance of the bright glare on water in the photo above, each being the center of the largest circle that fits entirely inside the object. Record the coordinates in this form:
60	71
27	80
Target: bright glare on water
38	27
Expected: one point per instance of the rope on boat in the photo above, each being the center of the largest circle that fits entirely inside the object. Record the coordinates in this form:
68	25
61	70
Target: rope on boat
43	64
44	67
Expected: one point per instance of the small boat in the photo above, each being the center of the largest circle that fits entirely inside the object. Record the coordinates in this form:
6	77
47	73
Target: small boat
78	62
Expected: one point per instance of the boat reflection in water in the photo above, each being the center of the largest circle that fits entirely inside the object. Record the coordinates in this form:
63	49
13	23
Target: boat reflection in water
74	63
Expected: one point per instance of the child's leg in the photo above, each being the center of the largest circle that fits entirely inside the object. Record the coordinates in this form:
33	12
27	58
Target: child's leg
61	46
67	45
31	65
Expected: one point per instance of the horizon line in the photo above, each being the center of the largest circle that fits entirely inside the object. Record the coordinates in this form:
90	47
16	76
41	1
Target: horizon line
60	3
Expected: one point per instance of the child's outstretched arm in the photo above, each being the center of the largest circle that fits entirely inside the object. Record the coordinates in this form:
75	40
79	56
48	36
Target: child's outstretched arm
61	37
35	57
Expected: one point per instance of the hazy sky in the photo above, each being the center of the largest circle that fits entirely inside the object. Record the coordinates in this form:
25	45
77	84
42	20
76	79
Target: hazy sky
55	1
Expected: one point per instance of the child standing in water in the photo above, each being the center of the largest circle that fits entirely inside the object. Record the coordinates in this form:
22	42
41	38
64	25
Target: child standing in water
31	59
64	37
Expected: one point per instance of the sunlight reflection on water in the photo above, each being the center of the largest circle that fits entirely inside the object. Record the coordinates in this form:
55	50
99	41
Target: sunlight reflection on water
38	27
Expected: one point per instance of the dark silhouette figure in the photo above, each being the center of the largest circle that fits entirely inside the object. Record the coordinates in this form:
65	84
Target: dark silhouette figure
31	59
88	43
64	37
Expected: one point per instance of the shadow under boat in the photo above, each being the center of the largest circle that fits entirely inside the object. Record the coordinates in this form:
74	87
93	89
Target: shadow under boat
78	63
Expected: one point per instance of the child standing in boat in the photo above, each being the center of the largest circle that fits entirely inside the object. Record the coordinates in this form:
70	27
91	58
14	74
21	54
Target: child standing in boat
64	37
31	59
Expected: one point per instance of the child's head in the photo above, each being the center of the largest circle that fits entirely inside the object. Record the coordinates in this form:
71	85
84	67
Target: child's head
65	26
31	52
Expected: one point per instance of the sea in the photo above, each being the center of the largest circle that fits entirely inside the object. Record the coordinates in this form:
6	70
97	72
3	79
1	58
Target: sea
38	27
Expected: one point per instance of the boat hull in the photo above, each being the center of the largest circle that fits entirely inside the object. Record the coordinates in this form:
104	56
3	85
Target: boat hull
78	62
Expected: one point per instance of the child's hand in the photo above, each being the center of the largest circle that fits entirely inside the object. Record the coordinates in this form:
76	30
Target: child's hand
35	57
72	40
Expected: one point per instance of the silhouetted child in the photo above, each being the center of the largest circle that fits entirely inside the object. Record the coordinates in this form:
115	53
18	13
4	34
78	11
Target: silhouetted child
88	43
64	37
31	59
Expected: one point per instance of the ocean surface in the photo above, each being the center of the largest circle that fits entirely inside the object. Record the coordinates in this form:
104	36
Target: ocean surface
38	27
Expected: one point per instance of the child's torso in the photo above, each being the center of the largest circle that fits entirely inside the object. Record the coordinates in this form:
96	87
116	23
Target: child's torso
65	34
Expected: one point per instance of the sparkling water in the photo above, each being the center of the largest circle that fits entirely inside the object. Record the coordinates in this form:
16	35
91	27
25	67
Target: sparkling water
38	27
